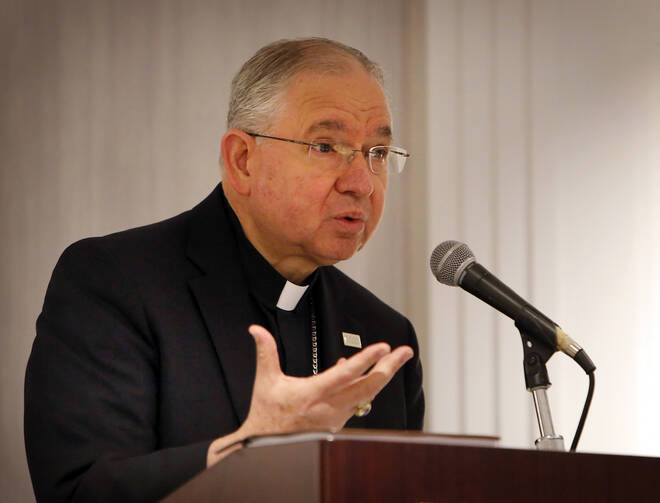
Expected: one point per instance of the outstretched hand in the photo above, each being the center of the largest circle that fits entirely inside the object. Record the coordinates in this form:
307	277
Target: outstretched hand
283	404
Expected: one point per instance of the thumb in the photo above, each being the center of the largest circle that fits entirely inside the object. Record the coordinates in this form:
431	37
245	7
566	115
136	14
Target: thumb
268	360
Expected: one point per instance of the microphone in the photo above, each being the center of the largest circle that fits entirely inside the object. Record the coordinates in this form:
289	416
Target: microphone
454	264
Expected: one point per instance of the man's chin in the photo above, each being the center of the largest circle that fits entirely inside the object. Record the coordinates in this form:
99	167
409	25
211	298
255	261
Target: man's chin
339	254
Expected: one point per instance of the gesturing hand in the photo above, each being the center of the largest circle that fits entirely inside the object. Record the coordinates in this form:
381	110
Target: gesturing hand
282	404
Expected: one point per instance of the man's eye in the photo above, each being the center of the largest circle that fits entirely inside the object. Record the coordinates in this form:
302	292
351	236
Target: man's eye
380	154
324	148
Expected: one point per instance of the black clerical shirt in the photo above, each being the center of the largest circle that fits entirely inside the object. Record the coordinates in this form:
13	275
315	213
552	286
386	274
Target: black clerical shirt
292	328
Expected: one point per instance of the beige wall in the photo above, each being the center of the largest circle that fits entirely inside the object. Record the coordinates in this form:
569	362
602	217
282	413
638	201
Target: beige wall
534	128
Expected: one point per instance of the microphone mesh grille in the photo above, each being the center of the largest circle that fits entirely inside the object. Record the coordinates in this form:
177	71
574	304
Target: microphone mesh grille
448	258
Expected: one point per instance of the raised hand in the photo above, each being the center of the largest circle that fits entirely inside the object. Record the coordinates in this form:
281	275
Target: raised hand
282	404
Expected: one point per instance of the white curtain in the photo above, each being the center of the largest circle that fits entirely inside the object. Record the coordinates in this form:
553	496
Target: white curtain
543	154
534	131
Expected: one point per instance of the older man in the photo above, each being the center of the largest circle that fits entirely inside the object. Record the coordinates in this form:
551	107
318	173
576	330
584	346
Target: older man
143	371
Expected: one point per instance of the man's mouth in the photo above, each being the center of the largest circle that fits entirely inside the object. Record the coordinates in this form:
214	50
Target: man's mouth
352	216
351	222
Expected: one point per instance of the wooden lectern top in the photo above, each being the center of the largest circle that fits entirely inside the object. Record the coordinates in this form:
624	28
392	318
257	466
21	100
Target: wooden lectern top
384	466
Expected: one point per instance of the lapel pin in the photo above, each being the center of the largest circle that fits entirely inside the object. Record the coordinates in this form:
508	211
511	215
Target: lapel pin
352	340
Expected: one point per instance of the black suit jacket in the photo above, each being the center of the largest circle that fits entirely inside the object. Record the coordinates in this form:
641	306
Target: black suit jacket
142	358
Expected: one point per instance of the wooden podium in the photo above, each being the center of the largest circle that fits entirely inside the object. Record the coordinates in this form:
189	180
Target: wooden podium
361	466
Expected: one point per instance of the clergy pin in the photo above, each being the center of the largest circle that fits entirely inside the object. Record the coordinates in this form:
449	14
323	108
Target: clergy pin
352	340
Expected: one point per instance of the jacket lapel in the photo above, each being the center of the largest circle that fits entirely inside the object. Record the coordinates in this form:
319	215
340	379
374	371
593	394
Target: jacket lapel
341	314
223	298
336	318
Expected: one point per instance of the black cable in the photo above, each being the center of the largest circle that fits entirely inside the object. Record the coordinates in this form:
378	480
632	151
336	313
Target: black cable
585	411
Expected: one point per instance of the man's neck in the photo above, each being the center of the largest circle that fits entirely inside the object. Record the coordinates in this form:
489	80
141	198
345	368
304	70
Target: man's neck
294	268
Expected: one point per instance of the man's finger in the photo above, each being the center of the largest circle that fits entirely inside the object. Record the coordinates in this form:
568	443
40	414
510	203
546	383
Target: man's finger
268	360
338	376
371	384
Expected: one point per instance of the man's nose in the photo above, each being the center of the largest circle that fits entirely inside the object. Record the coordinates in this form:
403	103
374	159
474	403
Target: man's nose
356	176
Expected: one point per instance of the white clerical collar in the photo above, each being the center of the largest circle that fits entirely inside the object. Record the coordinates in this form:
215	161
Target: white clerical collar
290	296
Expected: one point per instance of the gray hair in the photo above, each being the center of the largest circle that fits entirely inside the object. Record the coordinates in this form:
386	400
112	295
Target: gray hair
258	86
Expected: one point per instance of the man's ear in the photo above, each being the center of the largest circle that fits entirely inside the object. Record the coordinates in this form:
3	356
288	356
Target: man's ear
237	147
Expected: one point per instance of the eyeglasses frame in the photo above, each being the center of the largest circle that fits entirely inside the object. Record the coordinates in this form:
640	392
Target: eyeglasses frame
349	158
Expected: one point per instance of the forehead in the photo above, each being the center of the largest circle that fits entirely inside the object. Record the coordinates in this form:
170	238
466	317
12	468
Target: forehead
352	103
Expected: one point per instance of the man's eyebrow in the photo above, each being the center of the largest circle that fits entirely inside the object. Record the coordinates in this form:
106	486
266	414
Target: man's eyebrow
332	125
335	125
385	131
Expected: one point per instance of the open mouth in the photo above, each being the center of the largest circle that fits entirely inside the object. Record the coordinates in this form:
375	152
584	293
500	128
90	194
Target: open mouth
351	224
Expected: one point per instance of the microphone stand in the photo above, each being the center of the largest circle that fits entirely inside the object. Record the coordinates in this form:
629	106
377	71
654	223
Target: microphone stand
535	356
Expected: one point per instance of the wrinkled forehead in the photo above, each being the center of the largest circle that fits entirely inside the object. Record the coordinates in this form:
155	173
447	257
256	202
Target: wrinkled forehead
348	103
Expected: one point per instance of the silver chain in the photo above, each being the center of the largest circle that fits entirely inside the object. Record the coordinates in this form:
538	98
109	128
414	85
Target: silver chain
315	349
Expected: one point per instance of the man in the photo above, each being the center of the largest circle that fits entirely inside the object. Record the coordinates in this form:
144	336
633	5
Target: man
143	371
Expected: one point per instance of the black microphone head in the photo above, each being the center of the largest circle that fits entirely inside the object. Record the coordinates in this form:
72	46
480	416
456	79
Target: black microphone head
449	260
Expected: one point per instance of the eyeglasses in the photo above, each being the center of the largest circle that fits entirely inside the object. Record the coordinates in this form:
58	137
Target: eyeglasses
382	158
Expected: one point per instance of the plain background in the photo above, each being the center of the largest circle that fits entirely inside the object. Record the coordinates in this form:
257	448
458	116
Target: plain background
534	127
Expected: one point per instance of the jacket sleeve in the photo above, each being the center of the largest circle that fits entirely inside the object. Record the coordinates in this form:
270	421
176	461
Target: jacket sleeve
91	391
413	383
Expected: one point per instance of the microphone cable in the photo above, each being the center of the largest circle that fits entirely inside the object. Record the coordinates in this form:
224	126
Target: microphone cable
585	411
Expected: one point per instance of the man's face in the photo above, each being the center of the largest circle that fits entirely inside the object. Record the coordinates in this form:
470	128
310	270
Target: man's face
298	206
